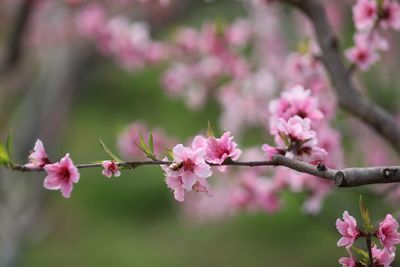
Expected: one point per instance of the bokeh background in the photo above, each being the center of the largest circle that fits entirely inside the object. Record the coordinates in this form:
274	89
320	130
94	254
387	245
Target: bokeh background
69	98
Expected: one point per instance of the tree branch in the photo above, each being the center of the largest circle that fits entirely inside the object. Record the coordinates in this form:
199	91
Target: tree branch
348	177
348	97
13	51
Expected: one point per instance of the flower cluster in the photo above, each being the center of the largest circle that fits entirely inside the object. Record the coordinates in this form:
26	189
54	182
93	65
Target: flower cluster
369	17
387	234
202	58
129	43
191	166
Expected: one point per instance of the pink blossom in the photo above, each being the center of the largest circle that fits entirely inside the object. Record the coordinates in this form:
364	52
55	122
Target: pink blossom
348	229
270	151
307	70
382	257
91	20
238	34
348	262
61	176
362	55
188	172
297	139
38	157
365	13
388	232
110	168
297	101
220	149
371	39
255	193
390	17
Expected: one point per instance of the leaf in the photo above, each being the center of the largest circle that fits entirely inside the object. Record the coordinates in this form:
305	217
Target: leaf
10	145
145	148
4	157
210	131
170	153
151	143
108	151
361	252
365	216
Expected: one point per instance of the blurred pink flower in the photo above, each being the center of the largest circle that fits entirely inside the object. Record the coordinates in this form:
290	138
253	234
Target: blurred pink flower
110	168
61	176
382	257
348	262
362	55
91	20
388	232
297	101
348	229
130	138
38	157
390	17
365	14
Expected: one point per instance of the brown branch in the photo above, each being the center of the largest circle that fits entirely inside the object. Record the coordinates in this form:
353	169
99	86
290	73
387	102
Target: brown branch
14	46
349	177
348	97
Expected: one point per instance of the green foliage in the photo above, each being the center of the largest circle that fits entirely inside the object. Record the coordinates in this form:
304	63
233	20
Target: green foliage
368	226
6	151
108	151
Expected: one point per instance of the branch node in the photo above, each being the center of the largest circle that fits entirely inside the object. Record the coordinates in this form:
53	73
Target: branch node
340	179
389	173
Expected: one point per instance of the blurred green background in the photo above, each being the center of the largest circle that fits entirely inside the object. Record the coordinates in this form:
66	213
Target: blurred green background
133	220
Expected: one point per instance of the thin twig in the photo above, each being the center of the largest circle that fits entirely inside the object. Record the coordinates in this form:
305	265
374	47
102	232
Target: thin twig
348	177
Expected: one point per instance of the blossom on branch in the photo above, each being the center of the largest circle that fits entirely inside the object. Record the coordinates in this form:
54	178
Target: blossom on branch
348	229
388	232
110	168
38	157
188	172
61	176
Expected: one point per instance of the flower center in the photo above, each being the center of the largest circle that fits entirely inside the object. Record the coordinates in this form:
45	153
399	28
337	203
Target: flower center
188	165
64	174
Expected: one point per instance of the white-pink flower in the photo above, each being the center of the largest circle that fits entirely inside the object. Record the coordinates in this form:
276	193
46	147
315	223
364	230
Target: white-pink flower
110	168
297	139
388	232
382	257
348	229
217	150
38	157
365	14
61	176
188	172
297	101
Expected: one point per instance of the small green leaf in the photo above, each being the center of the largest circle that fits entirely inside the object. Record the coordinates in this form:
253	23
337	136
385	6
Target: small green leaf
170	153
151	143
210	131
368	227
361	252
10	145
108	151
4	157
